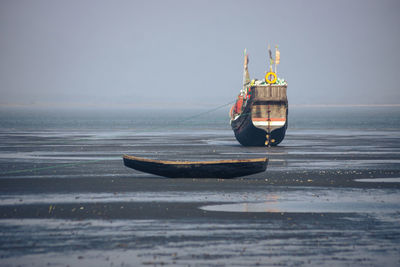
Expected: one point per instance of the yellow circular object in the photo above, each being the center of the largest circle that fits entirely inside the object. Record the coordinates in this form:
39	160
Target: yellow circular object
268	75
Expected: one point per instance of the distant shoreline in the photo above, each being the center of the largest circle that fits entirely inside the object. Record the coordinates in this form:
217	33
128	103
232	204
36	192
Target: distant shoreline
343	105
166	106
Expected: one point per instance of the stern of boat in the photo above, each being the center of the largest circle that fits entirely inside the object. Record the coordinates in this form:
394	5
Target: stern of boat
269	111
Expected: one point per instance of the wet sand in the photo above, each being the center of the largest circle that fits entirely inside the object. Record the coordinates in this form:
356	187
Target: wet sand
67	199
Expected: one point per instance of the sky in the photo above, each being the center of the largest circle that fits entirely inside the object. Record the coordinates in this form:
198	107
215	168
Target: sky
190	53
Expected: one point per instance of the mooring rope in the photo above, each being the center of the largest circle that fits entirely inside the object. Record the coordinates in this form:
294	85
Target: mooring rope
54	166
208	111
96	161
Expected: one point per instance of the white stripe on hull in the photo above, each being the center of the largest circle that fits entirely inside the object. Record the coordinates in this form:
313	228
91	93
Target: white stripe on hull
271	123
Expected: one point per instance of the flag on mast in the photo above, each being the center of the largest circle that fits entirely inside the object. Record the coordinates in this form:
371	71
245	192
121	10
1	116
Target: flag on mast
277	57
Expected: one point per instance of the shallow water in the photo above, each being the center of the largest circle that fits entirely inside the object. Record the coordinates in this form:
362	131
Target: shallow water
380	180
180	243
67	199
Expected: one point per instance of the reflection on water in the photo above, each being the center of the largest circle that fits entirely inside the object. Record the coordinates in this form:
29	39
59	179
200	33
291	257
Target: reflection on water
318	201
380	180
306	207
286	199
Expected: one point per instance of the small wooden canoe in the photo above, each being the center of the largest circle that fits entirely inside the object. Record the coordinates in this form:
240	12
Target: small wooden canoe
197	169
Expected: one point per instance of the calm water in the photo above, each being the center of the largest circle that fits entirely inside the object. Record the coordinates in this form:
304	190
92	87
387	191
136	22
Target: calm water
66	198
378	118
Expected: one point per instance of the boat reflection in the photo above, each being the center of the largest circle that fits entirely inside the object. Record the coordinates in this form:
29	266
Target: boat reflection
312	203
271	204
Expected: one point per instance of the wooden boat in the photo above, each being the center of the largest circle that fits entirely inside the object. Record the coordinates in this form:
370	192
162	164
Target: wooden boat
260	115
197	169
264	118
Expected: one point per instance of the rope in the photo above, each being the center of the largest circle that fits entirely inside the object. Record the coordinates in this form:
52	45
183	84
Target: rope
208	111
53	167
95	161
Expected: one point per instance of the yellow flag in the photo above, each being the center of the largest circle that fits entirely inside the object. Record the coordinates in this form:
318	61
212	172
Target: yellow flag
277	56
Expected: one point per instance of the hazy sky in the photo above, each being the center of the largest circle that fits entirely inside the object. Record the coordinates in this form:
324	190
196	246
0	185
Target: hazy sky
190	53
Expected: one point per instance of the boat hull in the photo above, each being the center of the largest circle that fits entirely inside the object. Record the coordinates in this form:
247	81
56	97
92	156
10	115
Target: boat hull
249	135
264	118
198	169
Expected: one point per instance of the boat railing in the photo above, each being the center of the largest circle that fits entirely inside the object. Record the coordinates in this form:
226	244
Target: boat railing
269	93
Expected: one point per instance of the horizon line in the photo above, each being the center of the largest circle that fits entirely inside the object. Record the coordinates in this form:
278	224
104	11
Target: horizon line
167	105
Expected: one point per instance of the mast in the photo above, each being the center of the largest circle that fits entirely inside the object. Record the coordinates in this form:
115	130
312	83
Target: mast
246	75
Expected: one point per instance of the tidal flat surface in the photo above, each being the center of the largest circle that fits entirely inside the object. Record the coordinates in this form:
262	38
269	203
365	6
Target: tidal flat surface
330	195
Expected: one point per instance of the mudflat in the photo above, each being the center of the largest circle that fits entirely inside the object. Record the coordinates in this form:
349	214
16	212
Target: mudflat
327	198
